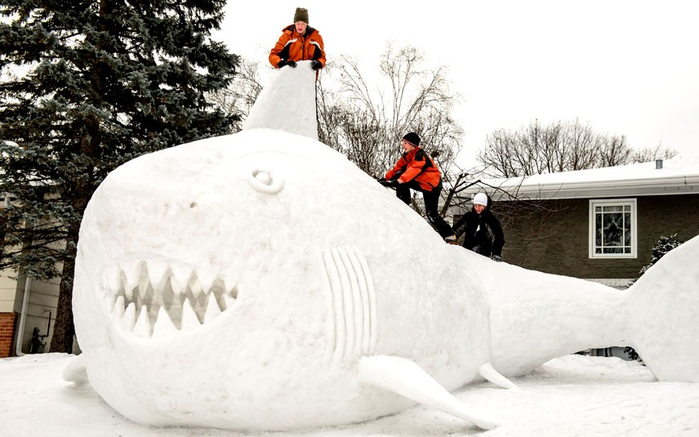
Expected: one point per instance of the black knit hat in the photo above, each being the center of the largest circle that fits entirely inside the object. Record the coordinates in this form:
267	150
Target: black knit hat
412	138
301	15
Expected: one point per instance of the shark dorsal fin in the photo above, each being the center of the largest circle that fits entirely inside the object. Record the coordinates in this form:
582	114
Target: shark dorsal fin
271	109
405	377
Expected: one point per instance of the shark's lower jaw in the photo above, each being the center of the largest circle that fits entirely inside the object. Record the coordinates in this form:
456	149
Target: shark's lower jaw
152	299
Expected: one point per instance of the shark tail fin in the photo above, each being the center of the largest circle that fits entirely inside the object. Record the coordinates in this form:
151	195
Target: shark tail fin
488	372
406	378
662	316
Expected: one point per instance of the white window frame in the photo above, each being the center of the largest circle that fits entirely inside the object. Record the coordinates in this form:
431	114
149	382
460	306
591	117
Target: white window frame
592	231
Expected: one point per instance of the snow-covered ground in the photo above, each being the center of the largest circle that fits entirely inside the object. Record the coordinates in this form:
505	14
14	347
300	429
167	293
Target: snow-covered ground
569	396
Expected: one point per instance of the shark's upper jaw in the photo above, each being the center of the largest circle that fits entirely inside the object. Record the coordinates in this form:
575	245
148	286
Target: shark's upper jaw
152	299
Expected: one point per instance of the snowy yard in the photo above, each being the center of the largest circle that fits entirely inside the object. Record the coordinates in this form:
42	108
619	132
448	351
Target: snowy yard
568	396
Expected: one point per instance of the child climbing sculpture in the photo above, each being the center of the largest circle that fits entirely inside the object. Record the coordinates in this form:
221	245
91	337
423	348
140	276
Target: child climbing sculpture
416	170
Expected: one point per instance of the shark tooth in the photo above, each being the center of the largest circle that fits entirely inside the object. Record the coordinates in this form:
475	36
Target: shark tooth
163	325
228	281
128	289
157	273
112	282
229	301
195	286
109	303
189	317
143	279
119	308
142	327
168	297
131	273
212	310
233	292
143	287
206	278
129	318
175	286
180	278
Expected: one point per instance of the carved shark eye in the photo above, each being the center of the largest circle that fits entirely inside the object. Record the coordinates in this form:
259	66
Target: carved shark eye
265	181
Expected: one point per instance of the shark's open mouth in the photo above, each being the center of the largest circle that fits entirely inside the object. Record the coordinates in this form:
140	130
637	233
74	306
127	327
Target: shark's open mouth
152	299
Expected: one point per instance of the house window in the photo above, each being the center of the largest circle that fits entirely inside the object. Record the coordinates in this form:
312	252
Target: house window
613	228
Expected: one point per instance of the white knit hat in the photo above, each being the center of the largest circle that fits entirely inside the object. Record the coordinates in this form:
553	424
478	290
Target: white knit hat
480	199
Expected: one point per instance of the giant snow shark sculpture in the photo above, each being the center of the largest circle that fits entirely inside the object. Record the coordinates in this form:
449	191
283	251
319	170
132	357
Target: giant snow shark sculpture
262	281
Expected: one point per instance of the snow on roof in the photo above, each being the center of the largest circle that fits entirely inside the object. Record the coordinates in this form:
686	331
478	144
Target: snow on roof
663	177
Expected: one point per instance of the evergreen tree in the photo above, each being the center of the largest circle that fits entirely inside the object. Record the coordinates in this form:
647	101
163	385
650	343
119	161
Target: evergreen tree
664	244
87	85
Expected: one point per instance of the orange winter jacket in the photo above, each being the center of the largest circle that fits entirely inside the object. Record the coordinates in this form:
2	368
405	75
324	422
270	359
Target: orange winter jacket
416	165
294	47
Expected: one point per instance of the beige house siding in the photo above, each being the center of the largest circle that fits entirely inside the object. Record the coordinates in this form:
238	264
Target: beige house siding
8	290
43	299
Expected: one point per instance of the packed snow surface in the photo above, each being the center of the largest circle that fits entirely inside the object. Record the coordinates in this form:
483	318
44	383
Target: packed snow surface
568	396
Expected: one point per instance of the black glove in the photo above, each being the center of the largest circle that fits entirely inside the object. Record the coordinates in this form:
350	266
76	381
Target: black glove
282	63
316	65
389	184
496	258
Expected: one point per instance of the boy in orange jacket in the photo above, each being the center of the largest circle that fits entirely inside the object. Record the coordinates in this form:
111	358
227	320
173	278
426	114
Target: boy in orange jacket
298	42
416	170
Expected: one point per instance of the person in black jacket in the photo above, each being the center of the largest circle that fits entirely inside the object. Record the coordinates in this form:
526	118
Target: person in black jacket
483	233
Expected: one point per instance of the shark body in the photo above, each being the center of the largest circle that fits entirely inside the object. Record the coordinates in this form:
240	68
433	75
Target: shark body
210	291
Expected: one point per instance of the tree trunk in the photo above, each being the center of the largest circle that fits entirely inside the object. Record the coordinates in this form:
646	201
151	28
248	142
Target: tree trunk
64	328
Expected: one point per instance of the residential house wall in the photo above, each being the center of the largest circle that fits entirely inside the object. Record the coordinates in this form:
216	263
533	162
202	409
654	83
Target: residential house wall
41	308
7	334
8	314
561	246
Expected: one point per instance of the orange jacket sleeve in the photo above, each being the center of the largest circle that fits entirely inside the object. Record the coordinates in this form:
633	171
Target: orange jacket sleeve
399	168
274	57
413	169
317	41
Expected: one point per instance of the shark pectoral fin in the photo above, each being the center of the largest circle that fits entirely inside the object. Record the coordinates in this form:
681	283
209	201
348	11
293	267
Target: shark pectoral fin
488	372
75	370
406	378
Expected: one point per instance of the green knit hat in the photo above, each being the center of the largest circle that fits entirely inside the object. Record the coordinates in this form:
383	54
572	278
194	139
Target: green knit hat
301	15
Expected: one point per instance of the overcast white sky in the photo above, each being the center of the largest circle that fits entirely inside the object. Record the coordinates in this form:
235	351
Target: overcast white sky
626	67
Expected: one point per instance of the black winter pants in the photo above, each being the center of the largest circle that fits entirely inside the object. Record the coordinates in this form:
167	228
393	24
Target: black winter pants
431	204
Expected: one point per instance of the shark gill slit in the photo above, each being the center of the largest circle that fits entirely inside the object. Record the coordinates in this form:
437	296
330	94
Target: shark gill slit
361	301
335	288
348	301
352	299
330	303
346	304
367	297
371	303
142	301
